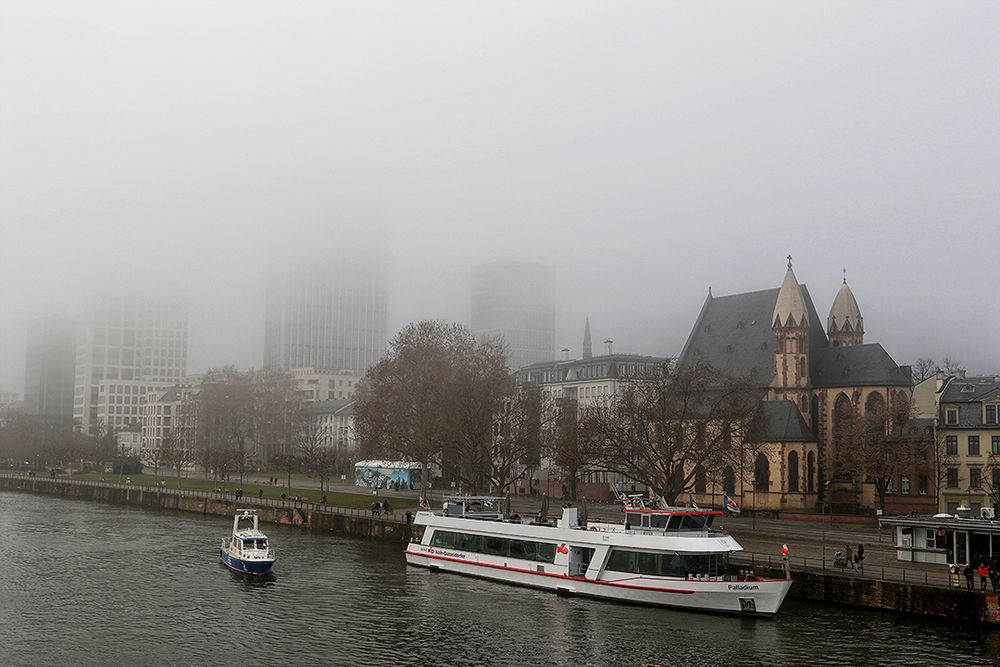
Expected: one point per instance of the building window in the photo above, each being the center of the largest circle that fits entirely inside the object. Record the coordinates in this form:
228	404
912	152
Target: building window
992	414
951	416
996	478
973	445
793	471
904	485
996	444
952	478
922	485
975	478
951	445
762	473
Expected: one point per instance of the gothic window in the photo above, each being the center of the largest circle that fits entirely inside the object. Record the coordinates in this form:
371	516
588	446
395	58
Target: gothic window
728	480
793	471
762	473
875	404
811	472
699	479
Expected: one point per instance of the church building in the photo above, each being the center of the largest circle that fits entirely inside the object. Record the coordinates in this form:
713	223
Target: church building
810	377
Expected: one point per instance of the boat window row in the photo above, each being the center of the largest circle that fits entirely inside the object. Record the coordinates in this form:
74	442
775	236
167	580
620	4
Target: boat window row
669	522
544	552
667	564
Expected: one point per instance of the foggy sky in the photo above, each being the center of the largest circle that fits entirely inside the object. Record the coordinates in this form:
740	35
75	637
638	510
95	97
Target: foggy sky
647	150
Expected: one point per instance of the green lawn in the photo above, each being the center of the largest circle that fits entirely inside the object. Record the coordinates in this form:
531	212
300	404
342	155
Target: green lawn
339	499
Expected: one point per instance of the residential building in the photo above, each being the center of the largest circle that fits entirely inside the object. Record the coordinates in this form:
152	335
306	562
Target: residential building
812	380
312	385
579	384
169	412
121	403
968	437
516	302
335	419
127	337
49	367
327	317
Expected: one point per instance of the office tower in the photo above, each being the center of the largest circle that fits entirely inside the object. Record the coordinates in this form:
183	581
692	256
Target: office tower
516	301
49	367
328	316
127	338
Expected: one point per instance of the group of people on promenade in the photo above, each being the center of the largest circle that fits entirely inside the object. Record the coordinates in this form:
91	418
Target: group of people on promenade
381	507
852	558
984	570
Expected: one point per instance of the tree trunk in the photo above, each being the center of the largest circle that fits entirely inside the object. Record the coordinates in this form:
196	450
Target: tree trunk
423	481
289	473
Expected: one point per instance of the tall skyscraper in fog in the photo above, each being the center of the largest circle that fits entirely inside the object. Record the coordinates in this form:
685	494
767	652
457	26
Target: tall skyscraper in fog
127	340
516	300
49	367
329	316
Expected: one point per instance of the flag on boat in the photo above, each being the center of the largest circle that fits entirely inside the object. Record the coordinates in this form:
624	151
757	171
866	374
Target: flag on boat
423	503
729	504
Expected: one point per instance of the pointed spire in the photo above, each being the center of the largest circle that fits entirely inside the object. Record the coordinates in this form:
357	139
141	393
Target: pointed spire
587	349
845	325
790	308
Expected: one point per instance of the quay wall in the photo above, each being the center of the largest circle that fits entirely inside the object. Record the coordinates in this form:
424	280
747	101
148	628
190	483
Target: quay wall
954	604
333	520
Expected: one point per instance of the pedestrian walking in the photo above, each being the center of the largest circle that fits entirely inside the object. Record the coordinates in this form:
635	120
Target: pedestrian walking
323	499
260	493
968	575
849	556
983	573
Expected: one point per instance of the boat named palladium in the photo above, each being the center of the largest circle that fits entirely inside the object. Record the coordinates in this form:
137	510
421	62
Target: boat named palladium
669	556
248	551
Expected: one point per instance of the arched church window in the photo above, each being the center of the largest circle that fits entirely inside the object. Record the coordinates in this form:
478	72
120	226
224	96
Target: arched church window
762	473
793	471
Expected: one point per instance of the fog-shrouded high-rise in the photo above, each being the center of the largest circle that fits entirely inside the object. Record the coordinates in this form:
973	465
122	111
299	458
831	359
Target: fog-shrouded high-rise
127	337
329	315
49	367
516	301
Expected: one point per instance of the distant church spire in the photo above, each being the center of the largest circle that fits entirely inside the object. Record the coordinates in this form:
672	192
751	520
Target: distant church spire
587	349
844	325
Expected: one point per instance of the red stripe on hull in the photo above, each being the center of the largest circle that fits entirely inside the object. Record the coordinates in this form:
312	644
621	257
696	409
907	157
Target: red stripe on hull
552	574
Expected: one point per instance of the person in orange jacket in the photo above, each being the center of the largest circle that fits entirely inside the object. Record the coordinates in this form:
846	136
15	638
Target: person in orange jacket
983	572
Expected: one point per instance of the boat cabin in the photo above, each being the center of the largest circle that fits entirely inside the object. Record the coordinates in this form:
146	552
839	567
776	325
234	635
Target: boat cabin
488	508
669	520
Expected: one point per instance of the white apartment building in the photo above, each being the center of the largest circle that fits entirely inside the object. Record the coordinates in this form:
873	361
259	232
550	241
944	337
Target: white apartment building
166	412
313	384
336	419
120	403
127	337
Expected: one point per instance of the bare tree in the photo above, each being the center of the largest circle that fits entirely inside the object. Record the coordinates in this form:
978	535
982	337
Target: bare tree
952	366
922	369
313	447
404	407
158	456
573	447
522	429
879	445
665	426
177	456
287	463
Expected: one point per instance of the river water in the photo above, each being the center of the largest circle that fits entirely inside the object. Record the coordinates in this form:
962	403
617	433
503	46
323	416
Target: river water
92	584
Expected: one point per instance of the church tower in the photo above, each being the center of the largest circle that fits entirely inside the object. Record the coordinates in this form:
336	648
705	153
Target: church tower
790	323
588	351
845	326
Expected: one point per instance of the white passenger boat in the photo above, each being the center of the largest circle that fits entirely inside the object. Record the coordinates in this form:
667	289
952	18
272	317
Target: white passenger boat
668	557
248	550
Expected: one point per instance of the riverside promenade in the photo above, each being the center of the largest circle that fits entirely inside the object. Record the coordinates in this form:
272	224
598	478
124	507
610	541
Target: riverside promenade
906	588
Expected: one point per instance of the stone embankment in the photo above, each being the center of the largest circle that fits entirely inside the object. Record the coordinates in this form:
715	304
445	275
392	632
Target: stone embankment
318	518
832	588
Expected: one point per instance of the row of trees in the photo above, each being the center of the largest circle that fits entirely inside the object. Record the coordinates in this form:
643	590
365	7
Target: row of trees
442	397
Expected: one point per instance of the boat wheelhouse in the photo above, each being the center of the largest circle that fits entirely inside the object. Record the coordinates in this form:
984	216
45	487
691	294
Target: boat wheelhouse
668	557
248	550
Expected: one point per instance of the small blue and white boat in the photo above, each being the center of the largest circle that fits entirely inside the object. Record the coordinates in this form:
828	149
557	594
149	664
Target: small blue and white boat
248	551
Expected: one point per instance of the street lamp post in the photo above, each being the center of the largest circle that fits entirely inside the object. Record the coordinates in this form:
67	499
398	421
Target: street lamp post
823	524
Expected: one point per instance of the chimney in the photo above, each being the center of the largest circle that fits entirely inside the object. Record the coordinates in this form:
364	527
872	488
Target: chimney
607	346
565	352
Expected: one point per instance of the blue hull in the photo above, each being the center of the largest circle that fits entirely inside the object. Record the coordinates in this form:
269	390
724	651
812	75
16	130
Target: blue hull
257	568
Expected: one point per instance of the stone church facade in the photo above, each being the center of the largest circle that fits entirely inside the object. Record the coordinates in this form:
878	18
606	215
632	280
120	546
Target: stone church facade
810	377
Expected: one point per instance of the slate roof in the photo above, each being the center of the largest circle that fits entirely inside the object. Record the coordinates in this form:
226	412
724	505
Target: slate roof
734	334
856	366
781	421
982	388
